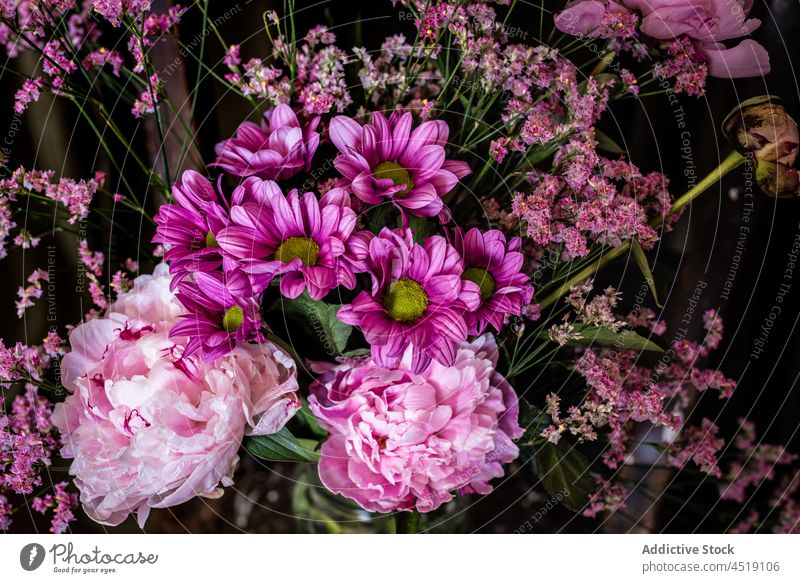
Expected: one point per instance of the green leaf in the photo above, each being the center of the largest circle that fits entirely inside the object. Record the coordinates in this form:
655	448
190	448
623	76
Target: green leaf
332	332
306	416
356	352
420	226
282	447
600	336
542	153
377	217
606	143
533	420
623	339
644	267
564	472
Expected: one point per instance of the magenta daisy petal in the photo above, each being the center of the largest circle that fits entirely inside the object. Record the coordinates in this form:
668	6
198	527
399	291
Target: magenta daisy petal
418	298
223	313
277	149
492	269
301	237
188	228
386	161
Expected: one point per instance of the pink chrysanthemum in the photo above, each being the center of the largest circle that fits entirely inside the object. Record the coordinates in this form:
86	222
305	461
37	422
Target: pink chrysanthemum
403	441
386	161
417	298
309	241
277	149
493	264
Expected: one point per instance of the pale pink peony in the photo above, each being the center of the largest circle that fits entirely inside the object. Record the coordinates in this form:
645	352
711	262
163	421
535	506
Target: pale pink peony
147	429
401	440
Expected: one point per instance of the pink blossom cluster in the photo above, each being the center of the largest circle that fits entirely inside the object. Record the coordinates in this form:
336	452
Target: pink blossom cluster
700	445
28	441
623	392
387	76
754	463
319	76
31	292
685	65
759	478
608	498
23	362
592	200
61	502
38	26
74	195
92	264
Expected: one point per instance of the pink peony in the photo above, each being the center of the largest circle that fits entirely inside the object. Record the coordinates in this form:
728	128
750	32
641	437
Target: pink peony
707	22
148	429
401	440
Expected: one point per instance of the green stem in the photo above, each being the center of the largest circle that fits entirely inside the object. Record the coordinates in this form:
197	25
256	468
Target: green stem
407	522
585	273
734	160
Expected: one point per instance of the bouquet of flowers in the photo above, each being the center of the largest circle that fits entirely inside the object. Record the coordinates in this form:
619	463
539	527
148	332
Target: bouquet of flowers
385	275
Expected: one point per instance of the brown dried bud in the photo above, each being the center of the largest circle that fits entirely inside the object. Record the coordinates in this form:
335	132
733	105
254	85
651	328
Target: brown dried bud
777	180
762	126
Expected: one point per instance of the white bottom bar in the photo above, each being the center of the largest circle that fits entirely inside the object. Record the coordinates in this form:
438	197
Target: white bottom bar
389	559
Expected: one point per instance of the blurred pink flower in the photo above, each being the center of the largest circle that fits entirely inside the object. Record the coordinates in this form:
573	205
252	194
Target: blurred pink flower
707	22
594	18
149	429
403	441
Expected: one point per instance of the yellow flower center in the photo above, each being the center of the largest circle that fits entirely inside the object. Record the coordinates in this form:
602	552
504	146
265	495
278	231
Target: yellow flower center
396	174
232	319
405	300
484	280
302	248
211	240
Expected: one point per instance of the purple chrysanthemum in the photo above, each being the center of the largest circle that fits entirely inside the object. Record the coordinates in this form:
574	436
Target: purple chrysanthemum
493	264
309	241
277	149
223	313
386	161
188	228
418	297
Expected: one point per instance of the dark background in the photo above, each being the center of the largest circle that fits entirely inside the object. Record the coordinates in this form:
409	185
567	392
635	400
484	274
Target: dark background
52	136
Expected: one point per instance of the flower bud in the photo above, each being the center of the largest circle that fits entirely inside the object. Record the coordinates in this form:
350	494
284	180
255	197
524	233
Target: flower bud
777	180
762	126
